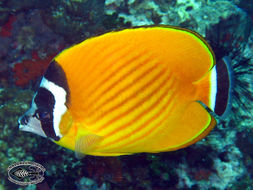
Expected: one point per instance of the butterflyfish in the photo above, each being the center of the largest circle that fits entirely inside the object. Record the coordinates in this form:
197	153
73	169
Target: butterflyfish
145	89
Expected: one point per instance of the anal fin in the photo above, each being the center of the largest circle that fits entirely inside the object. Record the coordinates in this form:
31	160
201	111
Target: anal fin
193	125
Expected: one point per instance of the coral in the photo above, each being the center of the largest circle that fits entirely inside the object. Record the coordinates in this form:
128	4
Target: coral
228	172
202	174
247	6
31	35
104	169
4	15
7	27
162	170
74	19
15	146
25	4
244	183
29	70
245	142
194	14
25	38
88	184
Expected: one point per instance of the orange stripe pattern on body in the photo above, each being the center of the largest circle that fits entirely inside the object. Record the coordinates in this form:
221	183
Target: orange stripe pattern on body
135	88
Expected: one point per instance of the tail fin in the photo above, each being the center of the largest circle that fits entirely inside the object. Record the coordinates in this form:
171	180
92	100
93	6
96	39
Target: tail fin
218	84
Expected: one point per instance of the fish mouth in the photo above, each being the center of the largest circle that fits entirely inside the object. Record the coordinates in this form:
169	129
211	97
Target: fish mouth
21	126
26	128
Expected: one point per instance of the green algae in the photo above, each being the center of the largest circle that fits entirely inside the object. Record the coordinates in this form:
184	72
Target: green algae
14	145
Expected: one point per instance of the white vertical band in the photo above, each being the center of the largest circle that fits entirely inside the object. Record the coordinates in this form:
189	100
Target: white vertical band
213	88
60	100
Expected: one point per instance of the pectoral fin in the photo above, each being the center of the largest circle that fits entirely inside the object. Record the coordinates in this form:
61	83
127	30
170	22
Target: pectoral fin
85	144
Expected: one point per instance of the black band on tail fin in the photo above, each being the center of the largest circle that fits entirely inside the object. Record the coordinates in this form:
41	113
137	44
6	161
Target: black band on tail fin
223	87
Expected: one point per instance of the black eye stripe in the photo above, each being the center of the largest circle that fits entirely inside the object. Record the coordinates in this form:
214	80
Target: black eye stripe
44	99
41	115
44	115
45	102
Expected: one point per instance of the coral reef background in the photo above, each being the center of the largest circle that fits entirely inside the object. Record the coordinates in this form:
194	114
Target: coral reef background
32	32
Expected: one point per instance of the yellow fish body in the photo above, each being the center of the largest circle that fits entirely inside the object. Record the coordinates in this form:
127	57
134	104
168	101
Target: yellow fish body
129	91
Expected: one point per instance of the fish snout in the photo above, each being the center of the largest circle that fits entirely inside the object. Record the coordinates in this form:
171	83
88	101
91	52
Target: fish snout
29	123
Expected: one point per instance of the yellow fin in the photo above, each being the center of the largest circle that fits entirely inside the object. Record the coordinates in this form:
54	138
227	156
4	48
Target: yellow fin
199	122
189	127
195	124
85	144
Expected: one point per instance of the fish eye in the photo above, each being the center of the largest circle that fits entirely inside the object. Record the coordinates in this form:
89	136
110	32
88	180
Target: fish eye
42	115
